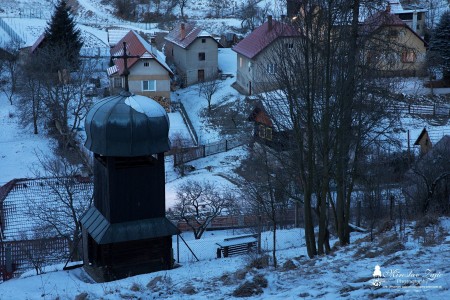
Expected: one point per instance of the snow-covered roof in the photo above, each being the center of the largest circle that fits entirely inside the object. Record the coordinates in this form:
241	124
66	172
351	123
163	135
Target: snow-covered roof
185	34
136	46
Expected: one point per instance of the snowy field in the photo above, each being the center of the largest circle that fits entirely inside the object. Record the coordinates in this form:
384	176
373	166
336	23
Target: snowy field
346	274
417	272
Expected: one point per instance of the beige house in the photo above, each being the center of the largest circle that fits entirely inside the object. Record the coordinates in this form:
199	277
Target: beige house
398	49
194	53
256	55
149	74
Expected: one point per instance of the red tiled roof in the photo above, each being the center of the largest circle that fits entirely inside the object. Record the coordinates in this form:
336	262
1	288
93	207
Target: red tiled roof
191	33
262	37
136	46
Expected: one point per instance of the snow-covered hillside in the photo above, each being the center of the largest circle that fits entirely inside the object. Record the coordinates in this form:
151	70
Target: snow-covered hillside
412	265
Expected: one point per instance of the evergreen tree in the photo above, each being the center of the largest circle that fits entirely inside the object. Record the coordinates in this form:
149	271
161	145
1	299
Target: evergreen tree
63	40
440	43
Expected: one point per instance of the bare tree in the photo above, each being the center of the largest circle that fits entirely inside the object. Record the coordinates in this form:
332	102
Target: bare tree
59	215
251	15
265	190
62	94
10	63
182	4
198	203
428	182
208	88
328	95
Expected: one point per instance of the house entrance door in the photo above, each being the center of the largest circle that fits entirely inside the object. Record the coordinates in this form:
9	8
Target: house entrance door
201	75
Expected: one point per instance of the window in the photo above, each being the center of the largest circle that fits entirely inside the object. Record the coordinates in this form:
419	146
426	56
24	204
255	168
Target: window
262	131
241	62
269	134
271	68
203	41
118	82
408	57
146	64
149	85
201	56
289	46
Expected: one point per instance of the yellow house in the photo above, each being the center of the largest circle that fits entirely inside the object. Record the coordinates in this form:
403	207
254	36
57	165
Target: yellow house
392	46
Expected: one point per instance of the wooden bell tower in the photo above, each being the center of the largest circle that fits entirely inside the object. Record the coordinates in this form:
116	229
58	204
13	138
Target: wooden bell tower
126	232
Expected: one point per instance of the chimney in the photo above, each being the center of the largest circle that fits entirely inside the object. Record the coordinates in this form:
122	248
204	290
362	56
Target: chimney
183	31
269	22
388	7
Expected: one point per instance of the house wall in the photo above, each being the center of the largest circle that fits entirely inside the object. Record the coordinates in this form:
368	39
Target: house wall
404	40
253	72
244	75
188	63
154	71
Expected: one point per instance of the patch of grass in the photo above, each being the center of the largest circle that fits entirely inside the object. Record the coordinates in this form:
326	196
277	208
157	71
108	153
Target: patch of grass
260	280
189	289
289	265
259	262
135	287
247	289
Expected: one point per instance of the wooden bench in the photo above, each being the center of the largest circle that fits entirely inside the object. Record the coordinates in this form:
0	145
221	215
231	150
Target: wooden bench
237	245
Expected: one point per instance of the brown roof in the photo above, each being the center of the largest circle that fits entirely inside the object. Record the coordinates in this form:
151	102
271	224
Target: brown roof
262	37
417	142
191	33
386	19
136	46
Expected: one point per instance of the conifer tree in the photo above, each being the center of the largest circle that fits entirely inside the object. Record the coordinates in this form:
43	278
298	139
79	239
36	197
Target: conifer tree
440	43
62	39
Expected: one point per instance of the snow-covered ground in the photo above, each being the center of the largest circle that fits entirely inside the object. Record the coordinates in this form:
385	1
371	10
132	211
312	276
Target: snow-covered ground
415	271
347	274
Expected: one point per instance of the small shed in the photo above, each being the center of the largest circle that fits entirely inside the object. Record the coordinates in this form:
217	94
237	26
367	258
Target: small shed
424	142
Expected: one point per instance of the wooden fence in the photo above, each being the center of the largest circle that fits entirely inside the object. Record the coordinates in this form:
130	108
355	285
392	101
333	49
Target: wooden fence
184	155
16	257
416	109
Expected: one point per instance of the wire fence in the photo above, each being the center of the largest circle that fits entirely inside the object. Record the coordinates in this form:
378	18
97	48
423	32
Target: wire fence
416	109
17	257
184	155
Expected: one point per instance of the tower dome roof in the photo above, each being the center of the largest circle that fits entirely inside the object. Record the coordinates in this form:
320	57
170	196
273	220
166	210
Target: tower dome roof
127	125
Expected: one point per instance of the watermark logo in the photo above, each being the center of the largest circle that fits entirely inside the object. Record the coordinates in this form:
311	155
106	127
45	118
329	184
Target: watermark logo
398	279
377	277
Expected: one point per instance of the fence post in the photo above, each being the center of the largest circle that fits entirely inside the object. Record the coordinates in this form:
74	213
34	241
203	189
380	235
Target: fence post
434	109
204	150
226	145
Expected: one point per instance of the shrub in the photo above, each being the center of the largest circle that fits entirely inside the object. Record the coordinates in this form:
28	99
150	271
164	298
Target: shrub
248	289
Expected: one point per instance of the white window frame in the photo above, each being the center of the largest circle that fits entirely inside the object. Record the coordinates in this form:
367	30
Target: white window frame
271	68
146	86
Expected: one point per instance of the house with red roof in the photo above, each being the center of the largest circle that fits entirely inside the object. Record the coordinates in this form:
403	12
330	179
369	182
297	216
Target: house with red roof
149	75
194	53
396	48
256	55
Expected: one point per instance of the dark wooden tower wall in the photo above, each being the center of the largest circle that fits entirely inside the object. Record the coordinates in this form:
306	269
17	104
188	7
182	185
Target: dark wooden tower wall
126	232
129	188
119	260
